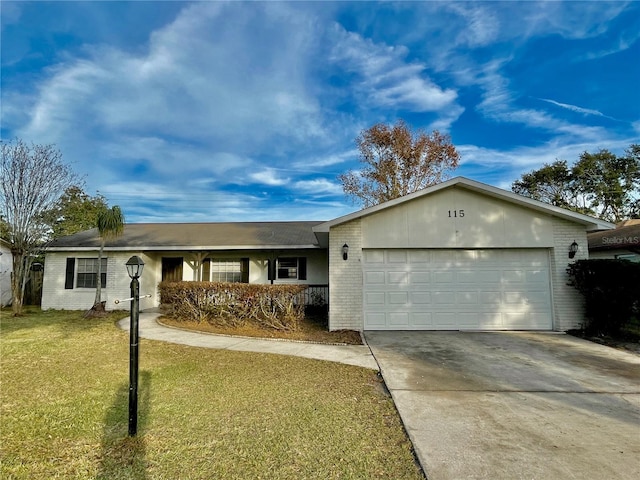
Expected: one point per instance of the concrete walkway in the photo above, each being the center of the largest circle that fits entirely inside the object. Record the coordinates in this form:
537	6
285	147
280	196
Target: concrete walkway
358	355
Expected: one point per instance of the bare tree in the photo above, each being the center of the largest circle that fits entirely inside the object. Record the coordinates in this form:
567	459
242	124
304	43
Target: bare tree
398	161
32	179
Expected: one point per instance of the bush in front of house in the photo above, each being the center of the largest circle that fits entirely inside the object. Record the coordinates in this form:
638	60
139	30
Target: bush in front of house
611	289
234	304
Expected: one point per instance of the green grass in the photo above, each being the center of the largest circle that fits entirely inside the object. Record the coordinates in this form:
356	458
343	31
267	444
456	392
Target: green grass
203	413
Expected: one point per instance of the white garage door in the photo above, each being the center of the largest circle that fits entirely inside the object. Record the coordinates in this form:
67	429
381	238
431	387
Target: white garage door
457	289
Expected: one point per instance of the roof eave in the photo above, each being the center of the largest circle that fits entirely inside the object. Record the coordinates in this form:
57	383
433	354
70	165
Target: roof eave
165	248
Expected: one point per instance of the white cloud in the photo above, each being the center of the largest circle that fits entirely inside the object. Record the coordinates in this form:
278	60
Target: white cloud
204	77
385	78
269	177
318	187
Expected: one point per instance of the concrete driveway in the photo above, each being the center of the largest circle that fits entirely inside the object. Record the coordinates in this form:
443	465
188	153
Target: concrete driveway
514	405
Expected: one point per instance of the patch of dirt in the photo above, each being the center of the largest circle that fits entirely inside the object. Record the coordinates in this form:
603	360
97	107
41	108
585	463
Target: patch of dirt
312	329
628	343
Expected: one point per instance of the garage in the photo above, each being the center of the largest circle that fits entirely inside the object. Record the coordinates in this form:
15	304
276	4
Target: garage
460	255
456	289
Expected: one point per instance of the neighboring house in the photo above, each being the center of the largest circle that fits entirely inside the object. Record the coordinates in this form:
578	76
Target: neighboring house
622	243
6	267
460	255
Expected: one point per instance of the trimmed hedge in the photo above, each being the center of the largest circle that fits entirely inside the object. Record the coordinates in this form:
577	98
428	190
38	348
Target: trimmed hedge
234	304
611	289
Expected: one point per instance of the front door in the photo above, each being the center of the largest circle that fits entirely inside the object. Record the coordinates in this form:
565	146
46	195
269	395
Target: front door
172	269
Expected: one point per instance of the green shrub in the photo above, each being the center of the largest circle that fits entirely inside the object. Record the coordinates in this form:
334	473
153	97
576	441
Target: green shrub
234	304
611	289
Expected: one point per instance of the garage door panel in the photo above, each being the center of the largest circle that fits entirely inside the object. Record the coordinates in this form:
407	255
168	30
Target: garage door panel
444	298
374	298
513	276
537	276
419	256
421	319
441	277
373	256
396	256
468	320
374	277
376	320
490	321
398	298
416	278
457	289
467	298
490	298
445	320
478	276
420	298
399	319
398	278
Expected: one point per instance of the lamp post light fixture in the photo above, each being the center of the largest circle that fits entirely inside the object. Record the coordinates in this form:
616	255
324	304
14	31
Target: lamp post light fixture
345	251
573	249
134	269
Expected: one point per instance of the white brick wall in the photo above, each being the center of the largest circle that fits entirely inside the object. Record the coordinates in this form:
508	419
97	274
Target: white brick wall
568	305
345	279
346	289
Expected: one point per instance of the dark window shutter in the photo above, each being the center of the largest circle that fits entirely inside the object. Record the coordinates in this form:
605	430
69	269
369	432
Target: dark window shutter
302	268
68	279
270	269
206	270
244	270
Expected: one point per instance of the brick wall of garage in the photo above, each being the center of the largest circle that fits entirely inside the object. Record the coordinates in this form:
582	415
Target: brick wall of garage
345	286
345	279
568	304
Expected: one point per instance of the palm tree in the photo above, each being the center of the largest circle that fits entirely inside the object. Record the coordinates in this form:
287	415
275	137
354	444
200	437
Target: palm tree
110	224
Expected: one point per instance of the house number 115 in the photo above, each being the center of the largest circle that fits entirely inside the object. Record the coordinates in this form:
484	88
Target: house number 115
456	213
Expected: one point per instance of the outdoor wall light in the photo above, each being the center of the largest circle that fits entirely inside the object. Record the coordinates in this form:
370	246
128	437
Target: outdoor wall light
134	267
345	251
573	249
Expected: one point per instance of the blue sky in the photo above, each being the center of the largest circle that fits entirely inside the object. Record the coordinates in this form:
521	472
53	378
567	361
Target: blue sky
211	111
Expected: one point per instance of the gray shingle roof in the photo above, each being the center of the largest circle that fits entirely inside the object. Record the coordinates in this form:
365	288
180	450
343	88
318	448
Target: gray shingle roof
205	236
625	237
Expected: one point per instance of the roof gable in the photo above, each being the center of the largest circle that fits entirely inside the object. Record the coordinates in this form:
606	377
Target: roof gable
590	223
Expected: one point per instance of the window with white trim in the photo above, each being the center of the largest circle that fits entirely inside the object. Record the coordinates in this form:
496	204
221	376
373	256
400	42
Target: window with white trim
86	276
291	268
227	270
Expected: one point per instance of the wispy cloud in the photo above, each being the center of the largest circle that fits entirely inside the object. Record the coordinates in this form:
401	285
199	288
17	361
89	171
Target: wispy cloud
574	108
384	78
250	110
269	177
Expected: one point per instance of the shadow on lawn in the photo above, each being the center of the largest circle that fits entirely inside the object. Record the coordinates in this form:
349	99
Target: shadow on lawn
123	456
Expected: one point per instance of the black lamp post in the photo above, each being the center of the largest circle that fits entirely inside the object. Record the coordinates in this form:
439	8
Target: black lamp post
134	269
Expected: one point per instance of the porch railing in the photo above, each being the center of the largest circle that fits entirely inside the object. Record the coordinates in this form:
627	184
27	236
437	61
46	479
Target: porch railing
316	295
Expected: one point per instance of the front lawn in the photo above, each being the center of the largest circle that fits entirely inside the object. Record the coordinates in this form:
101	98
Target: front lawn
203	413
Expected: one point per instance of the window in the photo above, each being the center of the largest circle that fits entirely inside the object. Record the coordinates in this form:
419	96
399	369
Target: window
287	268
227	270
88	271
292	268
